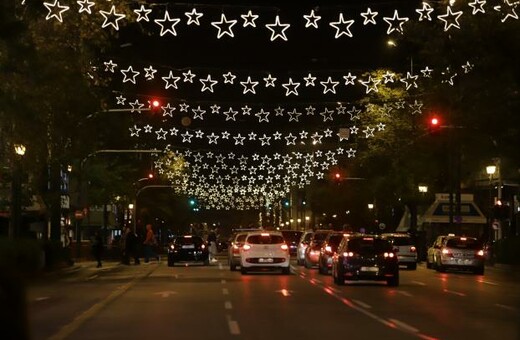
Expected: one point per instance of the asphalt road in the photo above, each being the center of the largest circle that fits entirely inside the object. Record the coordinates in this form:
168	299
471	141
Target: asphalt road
197	302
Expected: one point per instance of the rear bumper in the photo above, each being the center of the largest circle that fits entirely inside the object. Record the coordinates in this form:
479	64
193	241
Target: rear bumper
254	262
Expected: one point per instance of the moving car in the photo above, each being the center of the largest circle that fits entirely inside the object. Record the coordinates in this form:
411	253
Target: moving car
312	252
302	246
292	238
264	250
188	248
462	253
434	251
237	240
365	257
328	249
405	247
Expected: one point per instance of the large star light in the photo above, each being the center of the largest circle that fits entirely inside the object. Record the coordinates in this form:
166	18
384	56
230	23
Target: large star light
249	85
277	29
291	88
395	23
127	77
342	27
171	81
329	85
312	20
111	18
450	19
370	84
207	84
224	26
56	10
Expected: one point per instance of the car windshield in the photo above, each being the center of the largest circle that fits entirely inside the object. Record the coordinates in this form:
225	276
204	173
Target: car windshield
188	240
401	241
265	239
464	243
368	245
292	236
335	239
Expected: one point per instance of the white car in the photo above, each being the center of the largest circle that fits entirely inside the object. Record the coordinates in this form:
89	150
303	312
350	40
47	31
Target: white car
405	247
264	250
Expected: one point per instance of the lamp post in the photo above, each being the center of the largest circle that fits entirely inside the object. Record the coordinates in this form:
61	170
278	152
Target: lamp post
490	171
16	192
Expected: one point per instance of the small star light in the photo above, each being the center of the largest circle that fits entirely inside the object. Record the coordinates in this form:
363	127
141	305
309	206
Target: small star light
291	88
309	80
230	114
246	110
212	138
207	84
266	140
450	19
269	81
199	133
427	72
56	10
369	16
249	85
114	18
370	84
354	113
161	134
188	76
183	107
134	131
136	106
249	19
381	127
349	79
509	14
120	100
369	132
294	115
262	116
329	85
342	27
148	128
467	67
425	12
239	140
168	110
150	71
170	81
193	17
416	107
109	66
312	20
478	6
277	29
85	6
327	114
410	80
127	78
388	77
341	109
310	110
224	26
215	108
198	113
290	139
142	13
171	21
279	111
229	78
395	23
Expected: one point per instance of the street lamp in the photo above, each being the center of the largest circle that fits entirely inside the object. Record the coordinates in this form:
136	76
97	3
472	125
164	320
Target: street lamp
423	188
490	171
16	192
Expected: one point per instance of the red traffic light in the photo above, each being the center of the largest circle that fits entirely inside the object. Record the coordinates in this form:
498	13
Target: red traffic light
435	121
156	103
150	175
337	175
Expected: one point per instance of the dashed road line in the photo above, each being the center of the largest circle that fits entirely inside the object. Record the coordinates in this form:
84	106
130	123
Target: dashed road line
403	292
511	308
228	305
454	292
362	304
404	326
234	329
488	282
419	283
225	291
223	281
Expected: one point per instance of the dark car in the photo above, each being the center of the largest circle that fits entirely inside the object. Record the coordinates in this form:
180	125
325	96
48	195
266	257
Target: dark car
366	257
328	249
188	248
292	237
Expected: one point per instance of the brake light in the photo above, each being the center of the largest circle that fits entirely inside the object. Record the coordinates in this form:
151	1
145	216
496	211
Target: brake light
328	249
264	234
348	254
446	252
388	255
463	239
246	247
480	253
187	236
284	247
172	247
413	249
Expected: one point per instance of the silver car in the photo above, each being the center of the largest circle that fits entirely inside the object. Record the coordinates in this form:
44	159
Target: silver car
234	250
405	248
460	252
302	246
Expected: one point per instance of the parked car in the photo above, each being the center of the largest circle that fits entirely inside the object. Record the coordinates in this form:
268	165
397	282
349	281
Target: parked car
461	253
405	247
365	257
236	242
292	237
305	239
434	251
328	249
188	248
312	253
264	250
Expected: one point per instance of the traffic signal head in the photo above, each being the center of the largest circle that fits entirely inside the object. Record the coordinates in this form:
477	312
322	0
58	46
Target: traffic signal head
434	124
155	105
337	176
286	202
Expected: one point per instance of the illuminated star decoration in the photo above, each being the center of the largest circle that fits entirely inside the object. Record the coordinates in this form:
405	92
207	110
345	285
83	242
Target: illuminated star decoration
188	76
150	71
249	85
230	114
193	17
416	107
171	81
309	80
478	6
207	84
229	78
127	78
509	14
277	29
136	106
262	116
224	26
329	85
395	23
294	116
249	19
388	77
425	12
172	21
56	10
142	13
342	27
85	6
291	88
450	19
312	20
410	80
427	72
467	67
114	18
369	16
327	114
370	84
198	113
109	66
269	81
349	79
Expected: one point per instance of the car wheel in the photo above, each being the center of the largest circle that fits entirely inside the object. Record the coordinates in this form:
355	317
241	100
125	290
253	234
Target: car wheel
393	281
243	270
286	270
479	270
412	266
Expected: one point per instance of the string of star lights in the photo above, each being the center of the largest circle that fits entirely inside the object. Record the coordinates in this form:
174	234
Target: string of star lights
168	18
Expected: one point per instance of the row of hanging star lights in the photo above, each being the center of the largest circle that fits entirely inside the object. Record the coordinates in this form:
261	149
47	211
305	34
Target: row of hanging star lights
340	27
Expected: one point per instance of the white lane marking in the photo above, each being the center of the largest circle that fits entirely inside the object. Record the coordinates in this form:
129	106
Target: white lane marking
42	298
284	292
454	292
233	326
220	266
362	304
403	292
419	283
404	326
228	305
223	281
511	308
317	281
166	294
334	289
225	291
92	277
488	282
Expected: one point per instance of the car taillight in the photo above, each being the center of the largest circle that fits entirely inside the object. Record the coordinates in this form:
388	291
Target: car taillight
246	247
328	249
413	249
203	246
284	247
480	253
172	247
388	255
446	252
348	254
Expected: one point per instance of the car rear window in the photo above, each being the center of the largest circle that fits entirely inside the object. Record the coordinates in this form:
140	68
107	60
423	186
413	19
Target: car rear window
401	241
335	239
188	240
460	243
265	239
368	245
319	237
241	237
307	237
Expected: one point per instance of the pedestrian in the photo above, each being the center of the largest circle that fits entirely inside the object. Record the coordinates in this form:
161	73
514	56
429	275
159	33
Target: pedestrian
97	248
150	242
123	244
212	243
131	246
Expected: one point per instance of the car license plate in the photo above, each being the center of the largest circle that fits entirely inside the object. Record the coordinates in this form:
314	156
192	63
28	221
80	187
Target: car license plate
267	260
188	246
369	269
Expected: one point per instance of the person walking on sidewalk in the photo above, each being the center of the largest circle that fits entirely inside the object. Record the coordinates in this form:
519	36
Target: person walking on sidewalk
97	248
132	246
150	242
